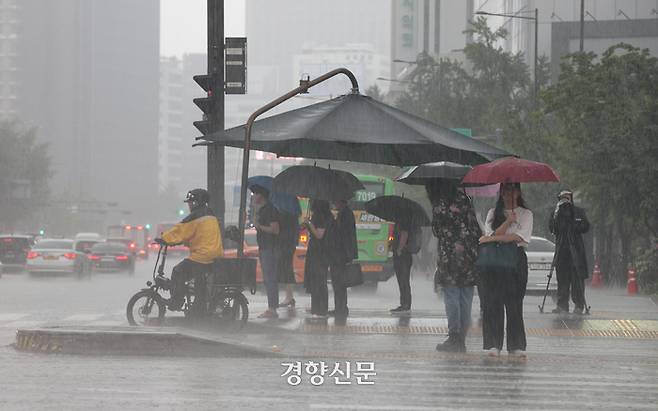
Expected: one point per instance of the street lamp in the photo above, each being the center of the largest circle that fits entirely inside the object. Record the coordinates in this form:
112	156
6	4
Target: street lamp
536	20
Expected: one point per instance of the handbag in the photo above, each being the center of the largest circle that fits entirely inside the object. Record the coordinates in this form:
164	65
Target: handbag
496	257
353	275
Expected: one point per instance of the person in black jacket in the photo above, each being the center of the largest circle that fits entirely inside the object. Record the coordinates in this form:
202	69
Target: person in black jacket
568	223
343	249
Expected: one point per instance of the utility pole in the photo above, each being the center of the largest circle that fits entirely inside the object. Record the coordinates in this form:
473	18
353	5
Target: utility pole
582	25
536	85
215	154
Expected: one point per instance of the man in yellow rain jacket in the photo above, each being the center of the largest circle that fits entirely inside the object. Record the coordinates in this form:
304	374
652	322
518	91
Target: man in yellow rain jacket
200	231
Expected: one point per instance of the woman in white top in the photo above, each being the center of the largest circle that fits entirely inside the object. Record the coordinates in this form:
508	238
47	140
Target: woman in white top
510	221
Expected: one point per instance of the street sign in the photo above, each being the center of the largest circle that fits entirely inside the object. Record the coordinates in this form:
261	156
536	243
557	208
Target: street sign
235	69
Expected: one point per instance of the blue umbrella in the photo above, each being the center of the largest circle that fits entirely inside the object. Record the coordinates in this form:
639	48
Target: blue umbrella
286	203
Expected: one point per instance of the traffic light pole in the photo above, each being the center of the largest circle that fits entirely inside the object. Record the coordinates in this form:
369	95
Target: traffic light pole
215	154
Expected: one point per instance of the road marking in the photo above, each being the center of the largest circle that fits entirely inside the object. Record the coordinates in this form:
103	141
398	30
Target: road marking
83	317
371	407
12	316
109	323
22	324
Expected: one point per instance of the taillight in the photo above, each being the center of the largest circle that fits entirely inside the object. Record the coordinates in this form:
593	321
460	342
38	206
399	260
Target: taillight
69	256
94	257
32	255
121	258
132	245
142	252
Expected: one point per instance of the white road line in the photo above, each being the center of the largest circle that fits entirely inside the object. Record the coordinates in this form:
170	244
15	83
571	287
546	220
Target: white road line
83	317
22	324
371	407
110	323
12	316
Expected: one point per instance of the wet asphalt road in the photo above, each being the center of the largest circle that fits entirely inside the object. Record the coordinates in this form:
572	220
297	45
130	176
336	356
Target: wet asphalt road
563	371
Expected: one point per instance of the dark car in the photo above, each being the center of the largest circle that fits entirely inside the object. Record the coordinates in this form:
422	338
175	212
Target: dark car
13	251
111	256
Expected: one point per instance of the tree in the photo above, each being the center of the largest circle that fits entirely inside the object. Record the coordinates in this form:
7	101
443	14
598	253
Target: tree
24	174
490	93
605	113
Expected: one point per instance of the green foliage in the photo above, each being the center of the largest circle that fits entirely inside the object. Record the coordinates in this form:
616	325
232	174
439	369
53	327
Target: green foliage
491	92
24	174
647	271
606	134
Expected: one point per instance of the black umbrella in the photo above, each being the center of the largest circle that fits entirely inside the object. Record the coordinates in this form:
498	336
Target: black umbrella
396	208
419	175
358	128
317	183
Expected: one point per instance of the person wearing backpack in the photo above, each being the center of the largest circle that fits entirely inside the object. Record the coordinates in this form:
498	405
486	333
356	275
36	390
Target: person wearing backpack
457	231
404	243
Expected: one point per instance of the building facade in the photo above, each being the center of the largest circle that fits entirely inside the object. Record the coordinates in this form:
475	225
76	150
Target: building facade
85	73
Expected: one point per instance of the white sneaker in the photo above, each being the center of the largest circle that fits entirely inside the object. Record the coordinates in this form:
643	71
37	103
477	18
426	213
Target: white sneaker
518	354
492	352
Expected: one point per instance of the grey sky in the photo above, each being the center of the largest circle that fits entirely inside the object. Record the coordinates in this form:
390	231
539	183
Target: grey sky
183	24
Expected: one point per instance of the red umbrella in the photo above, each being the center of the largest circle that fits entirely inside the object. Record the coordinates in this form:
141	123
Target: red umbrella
511	170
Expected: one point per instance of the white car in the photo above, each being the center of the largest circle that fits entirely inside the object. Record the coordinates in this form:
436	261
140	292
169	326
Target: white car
55	256
540	253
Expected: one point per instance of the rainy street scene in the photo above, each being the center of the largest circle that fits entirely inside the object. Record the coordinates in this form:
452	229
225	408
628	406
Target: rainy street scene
328	205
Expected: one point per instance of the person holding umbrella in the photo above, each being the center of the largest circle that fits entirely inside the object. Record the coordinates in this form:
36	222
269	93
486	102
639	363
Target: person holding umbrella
409	217
316	267
319	183
342	250
456	228
267	223
503	291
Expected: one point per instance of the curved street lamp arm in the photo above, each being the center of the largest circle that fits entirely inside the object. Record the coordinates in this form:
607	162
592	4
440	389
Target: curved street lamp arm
303	87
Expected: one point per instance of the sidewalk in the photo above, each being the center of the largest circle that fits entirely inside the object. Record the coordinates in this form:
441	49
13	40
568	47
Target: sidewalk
365	332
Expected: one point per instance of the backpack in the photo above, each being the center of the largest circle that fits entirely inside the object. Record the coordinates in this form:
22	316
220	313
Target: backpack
415	240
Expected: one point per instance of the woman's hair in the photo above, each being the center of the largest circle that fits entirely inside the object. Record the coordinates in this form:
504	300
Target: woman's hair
441	189
320	207
499	211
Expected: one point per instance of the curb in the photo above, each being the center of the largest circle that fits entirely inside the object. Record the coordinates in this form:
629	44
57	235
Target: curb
128	341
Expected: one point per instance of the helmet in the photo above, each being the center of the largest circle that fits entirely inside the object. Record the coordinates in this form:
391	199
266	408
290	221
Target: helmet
197	197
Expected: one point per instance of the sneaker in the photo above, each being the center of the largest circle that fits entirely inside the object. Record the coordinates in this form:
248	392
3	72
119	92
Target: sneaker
333	313
400	310
492	352
319	316
269	314
452	344
578	310
559	310
518	354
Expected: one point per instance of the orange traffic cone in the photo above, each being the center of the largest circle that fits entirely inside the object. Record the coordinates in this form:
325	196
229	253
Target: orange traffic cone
597	278
631	287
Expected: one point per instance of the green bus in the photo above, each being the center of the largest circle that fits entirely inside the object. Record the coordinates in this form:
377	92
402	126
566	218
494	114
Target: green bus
372	233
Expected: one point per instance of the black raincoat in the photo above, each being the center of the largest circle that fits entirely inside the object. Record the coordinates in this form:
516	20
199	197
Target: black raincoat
568	226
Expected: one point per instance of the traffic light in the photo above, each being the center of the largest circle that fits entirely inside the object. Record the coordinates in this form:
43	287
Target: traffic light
206	104
147	226
42	232
181	212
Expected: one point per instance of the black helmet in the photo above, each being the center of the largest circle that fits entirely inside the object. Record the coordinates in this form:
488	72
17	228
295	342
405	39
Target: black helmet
197	197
